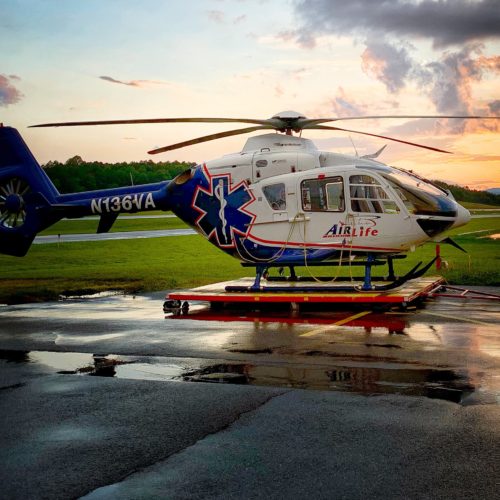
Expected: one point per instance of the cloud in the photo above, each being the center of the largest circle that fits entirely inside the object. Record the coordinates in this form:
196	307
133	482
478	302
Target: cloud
343	106
133	83
450	79
278	90
387	63
9	94
385	26
217	16
305	38
494	107
447	82
240	19
445	22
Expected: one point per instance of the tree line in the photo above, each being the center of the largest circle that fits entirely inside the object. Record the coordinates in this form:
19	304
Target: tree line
76	175
471	195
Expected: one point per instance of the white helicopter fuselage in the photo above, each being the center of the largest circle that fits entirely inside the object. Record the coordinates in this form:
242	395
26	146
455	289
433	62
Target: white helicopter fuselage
302	198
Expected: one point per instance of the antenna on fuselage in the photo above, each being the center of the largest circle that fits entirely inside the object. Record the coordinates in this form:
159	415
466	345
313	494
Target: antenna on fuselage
354	147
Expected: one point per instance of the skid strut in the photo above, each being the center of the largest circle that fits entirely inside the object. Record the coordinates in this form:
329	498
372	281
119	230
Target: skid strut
308	286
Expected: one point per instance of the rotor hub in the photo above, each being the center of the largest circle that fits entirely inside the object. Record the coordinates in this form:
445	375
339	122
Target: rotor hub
288	116
14	203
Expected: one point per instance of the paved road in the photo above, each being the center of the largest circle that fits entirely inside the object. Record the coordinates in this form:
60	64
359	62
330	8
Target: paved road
323	405
119	235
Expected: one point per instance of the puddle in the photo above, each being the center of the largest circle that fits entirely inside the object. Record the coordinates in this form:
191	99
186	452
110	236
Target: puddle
91	296
431	383
443	383
14	356
266	350
310	315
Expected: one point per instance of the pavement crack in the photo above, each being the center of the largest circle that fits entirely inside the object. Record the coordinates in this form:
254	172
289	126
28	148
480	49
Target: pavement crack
167	457
13	386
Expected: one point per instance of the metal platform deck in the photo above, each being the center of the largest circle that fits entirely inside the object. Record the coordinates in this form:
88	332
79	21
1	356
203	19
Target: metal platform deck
216	293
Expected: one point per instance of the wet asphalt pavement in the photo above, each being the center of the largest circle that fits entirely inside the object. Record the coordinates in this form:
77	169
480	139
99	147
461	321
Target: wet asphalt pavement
107	397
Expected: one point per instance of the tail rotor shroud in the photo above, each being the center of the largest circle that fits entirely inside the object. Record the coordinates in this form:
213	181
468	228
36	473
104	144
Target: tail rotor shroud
13	213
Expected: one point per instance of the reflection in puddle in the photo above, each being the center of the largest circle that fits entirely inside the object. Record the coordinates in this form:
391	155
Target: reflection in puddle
440	384
368	379
280	318
14	356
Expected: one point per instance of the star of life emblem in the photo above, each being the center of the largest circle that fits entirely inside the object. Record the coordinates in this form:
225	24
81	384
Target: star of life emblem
222	208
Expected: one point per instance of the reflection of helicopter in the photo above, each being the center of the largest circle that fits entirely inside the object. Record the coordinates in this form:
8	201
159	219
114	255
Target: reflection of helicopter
278	202
281	317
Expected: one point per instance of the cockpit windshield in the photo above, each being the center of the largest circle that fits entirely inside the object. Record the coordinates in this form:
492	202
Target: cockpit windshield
420	196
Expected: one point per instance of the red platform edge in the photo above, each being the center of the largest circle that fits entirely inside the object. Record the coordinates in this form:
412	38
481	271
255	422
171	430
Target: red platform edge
390	297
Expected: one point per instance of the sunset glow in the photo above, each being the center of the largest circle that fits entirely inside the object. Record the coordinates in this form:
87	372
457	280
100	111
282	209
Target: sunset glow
96	60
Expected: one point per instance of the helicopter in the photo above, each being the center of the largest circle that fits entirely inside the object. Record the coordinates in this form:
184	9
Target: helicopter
278	203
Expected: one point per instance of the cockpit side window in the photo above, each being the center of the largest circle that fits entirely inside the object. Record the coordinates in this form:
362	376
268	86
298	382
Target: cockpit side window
420	196
323	195
368	196
275	195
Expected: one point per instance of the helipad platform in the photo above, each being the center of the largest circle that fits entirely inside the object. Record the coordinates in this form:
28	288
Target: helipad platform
216	293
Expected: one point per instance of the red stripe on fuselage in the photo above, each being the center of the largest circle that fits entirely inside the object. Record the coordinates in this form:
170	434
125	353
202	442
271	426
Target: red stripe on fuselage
252	237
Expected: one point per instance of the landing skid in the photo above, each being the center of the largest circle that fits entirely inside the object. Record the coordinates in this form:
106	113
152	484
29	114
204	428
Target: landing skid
301	285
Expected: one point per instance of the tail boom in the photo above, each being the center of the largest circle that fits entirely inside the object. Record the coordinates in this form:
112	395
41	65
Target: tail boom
29	202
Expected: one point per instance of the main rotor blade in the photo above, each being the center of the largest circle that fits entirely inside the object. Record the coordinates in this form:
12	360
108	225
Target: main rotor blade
324	127
310	122
157	120
207	138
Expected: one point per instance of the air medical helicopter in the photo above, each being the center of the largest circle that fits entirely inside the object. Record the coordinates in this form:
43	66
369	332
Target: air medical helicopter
279	202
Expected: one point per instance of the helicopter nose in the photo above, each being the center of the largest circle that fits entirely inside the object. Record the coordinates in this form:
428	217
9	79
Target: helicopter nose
463	216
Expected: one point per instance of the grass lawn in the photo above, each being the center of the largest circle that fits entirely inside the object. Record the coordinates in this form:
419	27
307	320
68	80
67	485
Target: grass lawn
85	226
474	206
186	261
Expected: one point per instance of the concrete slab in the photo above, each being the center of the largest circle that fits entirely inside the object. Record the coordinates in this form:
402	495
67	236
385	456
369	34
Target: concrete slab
147	430
329	445
62	436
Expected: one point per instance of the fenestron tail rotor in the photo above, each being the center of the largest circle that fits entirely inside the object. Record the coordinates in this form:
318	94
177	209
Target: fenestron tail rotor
12	204
286	122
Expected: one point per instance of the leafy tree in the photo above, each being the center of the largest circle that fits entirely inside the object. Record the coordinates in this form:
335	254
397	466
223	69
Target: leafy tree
76	175
471	195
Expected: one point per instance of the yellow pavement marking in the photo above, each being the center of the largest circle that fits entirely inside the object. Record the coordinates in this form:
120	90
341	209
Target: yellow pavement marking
335	325
449	316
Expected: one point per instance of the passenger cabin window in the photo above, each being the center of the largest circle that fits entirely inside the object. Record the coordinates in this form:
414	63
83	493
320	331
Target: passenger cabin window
368	196
275	195
323	195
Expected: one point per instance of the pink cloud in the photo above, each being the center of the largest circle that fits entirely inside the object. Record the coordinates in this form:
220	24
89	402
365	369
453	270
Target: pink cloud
133	83
8	93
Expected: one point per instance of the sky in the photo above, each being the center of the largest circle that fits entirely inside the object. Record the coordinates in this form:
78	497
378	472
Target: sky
75	60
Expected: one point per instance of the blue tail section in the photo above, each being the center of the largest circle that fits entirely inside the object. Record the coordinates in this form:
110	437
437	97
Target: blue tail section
26	195
29	202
